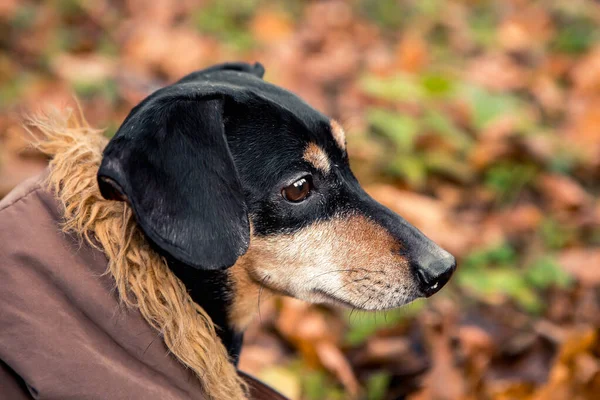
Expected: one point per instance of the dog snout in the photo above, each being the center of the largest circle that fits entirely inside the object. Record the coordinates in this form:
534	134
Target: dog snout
433	273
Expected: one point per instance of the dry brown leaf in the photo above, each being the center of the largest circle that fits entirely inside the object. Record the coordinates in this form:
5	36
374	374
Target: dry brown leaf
583	264
444	381
525	29
334	360
582	124
586	73
564	381
497	72
160	12
384	349
271	27
339	59
563	192
412	54
186	52
524	218
83	68
549	94
8	8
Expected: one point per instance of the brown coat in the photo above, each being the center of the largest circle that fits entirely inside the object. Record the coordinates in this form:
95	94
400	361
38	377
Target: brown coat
63	332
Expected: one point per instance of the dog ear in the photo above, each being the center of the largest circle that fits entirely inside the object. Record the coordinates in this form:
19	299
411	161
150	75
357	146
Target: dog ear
170	161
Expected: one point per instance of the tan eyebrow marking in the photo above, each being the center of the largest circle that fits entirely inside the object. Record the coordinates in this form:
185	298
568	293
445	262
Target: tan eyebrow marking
338	134
317	157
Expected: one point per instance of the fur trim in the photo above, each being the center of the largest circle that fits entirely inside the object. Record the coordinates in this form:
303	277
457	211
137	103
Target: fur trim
143	279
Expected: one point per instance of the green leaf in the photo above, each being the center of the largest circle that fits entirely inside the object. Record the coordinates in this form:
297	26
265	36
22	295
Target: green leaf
401	129
545	271
576	34
24	16
507	282
388	14
437	85
363	324
446	164
487	107
106	88
13	89
500	255
410	167
399	87
316	385
507	180
227	20
554	234
441	124
377	385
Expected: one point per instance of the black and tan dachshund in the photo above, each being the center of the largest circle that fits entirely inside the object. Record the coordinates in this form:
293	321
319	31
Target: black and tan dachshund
241	185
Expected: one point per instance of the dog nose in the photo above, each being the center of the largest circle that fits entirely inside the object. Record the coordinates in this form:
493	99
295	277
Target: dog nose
435	275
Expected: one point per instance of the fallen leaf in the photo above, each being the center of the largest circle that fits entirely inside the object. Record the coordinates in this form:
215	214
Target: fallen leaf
83	68
283	380
334	360
563	192
412	54
586	73
271	27
525	29
582	264
497	72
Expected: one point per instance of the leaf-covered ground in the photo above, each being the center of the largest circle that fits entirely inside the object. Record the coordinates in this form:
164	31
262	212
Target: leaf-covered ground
478	121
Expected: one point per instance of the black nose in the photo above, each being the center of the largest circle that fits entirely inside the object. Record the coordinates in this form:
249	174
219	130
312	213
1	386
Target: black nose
434	276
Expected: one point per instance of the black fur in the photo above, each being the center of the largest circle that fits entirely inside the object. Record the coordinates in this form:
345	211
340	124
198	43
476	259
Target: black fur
171	161
211	289
197	158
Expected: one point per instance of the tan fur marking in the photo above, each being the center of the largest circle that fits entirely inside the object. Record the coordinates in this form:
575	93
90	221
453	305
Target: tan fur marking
338	134
317	157
350	257
247	293
143	279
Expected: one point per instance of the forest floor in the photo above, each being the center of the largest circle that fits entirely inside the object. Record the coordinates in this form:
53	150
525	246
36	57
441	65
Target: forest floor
477	121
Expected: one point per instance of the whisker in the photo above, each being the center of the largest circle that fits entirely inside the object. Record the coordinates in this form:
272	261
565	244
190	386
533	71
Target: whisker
349	283
365	302
331	272
260	290
350	315
360	308
258	305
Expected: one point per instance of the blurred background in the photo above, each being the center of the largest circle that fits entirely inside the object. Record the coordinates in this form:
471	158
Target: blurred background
478	121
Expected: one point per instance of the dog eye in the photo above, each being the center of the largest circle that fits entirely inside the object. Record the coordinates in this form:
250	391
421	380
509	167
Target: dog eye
297	191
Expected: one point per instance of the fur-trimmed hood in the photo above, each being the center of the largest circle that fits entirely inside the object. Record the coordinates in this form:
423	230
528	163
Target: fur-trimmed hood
98	232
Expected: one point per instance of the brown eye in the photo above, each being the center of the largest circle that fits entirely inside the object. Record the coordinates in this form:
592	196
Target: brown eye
297	191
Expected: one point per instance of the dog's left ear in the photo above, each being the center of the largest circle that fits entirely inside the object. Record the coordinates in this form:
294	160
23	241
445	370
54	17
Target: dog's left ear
170	161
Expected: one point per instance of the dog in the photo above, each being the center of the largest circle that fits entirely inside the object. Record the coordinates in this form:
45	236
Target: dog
243	186
214	190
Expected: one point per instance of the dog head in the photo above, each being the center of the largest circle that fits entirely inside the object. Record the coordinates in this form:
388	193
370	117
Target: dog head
224	169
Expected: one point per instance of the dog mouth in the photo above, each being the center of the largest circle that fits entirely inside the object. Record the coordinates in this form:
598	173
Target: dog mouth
377	300
371	303
332	298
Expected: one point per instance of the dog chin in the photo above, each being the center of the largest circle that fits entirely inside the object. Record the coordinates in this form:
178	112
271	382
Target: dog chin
370	304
